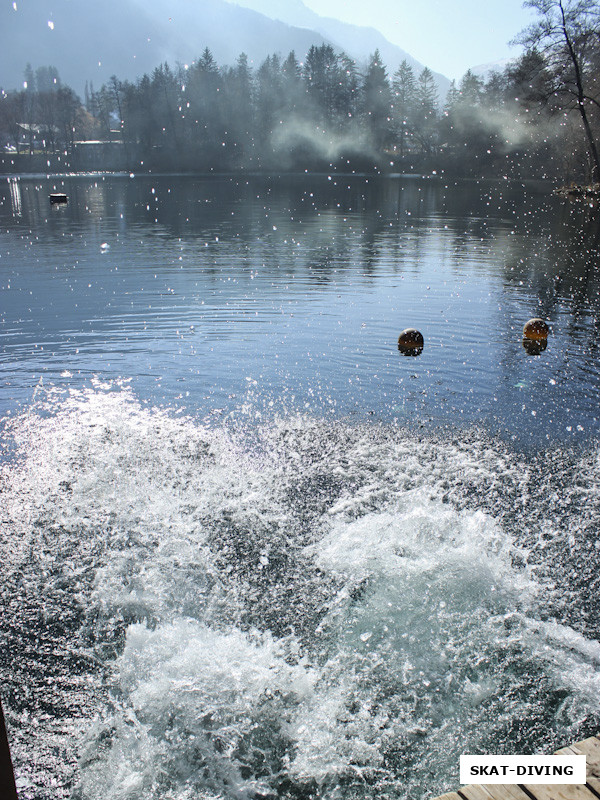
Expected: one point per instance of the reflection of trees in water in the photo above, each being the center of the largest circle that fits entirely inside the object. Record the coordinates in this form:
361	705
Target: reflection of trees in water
319	228
226	248
578	281
573	255
550	271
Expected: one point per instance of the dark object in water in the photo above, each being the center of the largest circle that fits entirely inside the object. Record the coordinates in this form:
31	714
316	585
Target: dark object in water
58	197
535	347
8	789
536	329
410	342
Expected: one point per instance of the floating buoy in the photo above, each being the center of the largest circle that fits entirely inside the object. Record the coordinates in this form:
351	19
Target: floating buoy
536	330
58	197
534	347
410	342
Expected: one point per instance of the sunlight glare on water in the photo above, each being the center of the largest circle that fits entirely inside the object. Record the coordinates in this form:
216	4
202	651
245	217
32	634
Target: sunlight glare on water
292	294
250	550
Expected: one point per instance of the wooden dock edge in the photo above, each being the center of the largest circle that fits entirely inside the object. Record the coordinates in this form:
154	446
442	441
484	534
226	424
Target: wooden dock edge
555	791
8	789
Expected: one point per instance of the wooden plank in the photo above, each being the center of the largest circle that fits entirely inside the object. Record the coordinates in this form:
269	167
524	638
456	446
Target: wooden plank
573	791
474	792
493	791
547	791
560	791
506	791
590	748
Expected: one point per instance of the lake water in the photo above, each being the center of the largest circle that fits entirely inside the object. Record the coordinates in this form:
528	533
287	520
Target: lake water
250	549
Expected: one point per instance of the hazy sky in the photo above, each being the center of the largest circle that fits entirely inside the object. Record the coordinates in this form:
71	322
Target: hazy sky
448	36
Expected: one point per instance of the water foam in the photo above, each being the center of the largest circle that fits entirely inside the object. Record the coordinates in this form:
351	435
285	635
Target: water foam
293	608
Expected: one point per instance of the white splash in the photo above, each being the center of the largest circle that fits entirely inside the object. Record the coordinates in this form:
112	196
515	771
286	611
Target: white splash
308	605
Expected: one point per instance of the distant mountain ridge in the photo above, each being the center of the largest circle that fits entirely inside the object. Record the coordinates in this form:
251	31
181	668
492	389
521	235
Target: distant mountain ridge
357	41
484	71
91	41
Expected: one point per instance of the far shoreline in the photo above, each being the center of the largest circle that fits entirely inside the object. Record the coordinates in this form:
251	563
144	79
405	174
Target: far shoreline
434	176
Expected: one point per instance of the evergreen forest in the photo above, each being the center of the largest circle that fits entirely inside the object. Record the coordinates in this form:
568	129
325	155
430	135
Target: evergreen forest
538	118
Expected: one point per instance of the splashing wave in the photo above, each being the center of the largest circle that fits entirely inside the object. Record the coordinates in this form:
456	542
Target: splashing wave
292	609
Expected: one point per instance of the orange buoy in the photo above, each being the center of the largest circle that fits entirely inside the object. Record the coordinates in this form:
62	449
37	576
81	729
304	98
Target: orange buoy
535	347
410	342
536	330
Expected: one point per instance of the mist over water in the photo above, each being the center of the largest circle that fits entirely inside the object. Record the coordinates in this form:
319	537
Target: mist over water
256	557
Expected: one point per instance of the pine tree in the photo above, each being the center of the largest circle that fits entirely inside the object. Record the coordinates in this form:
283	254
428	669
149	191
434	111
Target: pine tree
203	111
29	82
376	103
470	89
346	102
292	84
239	110
426	111
404	101
322	74
495	89
47	79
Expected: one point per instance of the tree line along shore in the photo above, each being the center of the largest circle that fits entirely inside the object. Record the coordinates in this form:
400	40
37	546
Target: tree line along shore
538	118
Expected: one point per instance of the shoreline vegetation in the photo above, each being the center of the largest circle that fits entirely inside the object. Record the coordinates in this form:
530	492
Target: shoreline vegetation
576	191
537	119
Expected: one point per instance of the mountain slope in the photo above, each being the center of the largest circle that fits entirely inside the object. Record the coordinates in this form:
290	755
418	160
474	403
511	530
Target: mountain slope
92	41
359	42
